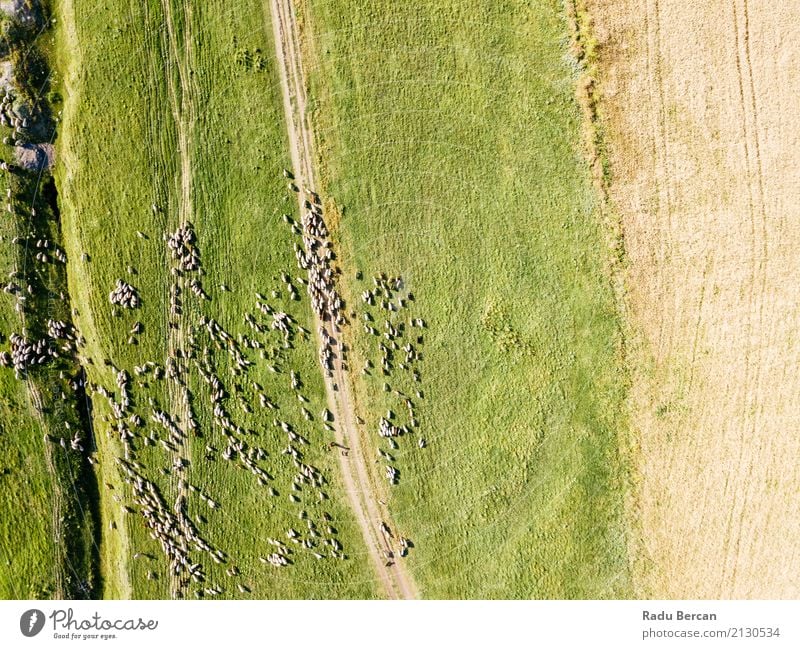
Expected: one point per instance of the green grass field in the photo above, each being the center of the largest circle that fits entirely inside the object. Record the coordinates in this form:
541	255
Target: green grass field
450	139
119	145
48	526
47	512
28	562
449	150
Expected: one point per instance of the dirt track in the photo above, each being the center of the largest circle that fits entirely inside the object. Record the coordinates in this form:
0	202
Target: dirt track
183	111
700	103
355	473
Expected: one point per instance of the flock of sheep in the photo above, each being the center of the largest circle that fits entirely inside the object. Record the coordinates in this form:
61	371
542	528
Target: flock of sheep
26	353
197	400
197	353
399	340
316	257
125	295
195	357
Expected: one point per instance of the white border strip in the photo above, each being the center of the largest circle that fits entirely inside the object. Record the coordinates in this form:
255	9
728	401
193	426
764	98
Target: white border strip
401	625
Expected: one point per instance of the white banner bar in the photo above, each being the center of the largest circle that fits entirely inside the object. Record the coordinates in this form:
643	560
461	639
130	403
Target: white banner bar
400	625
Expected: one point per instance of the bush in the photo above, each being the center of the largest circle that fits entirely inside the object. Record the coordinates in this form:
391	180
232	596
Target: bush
31	73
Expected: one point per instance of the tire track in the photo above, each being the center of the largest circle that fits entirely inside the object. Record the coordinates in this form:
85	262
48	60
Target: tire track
757	214
660	143
183	110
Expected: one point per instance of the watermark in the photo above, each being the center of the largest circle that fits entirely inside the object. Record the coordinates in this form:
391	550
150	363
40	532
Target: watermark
65	625
31	622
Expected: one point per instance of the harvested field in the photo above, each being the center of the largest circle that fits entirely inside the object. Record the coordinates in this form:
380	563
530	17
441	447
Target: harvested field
703	181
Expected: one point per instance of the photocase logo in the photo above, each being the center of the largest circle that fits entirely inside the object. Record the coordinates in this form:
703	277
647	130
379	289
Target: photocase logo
31	622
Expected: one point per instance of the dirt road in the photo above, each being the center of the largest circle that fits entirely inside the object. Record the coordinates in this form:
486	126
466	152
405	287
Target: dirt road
370	513
184	114
699	102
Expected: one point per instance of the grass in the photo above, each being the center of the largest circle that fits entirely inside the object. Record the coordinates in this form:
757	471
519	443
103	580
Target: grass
449	136
47	498
23	471
134	92
29	563
449	152
28	558
46	502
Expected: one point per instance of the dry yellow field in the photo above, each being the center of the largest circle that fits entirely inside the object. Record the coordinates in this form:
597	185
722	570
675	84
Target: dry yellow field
699	108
